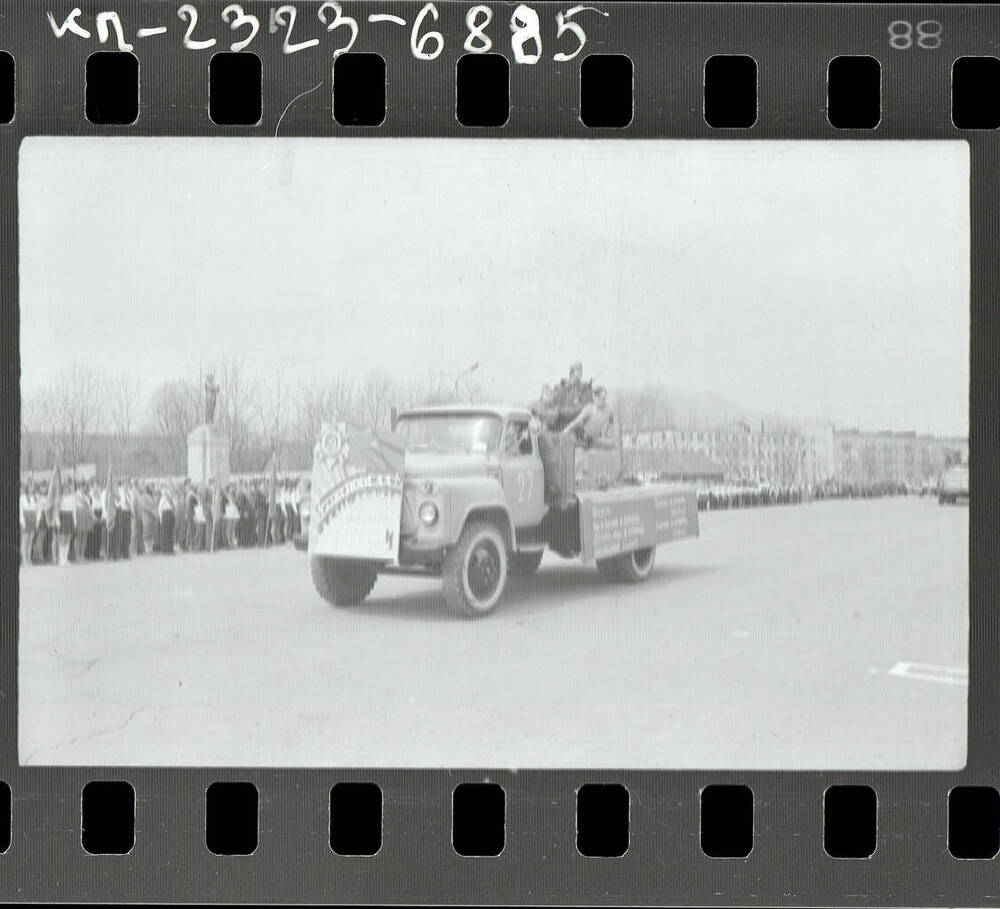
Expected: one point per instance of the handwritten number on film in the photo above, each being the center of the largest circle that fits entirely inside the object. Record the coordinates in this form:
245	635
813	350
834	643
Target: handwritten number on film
426	42
234	15
926	35
188	12
476	32
339	20
418	47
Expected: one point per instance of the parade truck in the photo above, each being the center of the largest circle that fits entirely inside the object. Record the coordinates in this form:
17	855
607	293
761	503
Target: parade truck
472	495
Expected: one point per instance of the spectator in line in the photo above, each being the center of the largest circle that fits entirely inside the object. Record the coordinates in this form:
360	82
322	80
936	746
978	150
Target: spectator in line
29	520
199	522
165	512
231	517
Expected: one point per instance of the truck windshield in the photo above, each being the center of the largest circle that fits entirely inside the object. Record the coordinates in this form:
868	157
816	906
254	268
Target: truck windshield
450	433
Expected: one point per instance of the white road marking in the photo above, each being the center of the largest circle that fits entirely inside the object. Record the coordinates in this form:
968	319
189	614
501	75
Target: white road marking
931	673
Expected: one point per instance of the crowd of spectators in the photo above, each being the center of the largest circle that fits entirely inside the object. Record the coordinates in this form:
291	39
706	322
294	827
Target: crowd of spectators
77	521
715	498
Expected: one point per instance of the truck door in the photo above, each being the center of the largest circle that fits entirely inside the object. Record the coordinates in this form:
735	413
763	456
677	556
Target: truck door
522	476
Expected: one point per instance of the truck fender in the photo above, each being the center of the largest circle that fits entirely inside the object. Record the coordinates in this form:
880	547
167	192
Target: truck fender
498	514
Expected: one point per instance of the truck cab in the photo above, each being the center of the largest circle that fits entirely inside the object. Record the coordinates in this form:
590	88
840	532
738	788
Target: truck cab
464	464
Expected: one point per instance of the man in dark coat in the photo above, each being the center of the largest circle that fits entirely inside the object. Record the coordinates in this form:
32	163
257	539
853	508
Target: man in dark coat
260	513
245	527
546	409
571	396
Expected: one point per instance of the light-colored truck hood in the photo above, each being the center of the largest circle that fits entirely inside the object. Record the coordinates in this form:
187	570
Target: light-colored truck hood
435	466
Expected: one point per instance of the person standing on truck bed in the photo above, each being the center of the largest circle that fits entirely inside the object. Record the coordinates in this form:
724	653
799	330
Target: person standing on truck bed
571	396
545	408
594	425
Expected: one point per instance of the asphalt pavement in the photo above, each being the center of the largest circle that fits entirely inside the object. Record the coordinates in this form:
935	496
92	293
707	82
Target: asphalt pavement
832	635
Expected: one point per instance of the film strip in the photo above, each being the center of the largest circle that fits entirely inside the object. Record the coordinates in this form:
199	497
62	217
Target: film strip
680	746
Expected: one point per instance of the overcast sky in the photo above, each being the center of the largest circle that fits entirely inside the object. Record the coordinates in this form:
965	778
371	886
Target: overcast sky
815	279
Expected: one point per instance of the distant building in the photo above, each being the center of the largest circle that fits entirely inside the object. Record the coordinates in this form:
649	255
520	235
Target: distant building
145	455
788	453
776	452
885	456
677	466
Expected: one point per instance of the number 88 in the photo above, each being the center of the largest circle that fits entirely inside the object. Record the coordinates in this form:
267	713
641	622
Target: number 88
928	34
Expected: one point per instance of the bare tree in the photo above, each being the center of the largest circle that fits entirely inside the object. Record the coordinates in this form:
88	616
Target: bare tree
273	415
435	389
316	401
174	410
376	396
35	420
239	397
77	404
439	389
124	408
642	409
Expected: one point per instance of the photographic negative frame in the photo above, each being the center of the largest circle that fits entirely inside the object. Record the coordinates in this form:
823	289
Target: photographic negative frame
665	860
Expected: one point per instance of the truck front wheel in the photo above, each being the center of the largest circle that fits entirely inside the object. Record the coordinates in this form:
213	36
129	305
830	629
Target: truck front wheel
475	569
342	582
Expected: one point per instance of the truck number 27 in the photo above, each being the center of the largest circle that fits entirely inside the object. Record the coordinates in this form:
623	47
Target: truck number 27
525	482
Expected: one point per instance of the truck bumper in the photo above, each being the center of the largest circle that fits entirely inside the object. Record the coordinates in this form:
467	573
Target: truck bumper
419	555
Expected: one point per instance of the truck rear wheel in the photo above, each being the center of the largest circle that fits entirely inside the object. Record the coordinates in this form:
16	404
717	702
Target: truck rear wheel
637	565
608	569
525	564
342	582
475	569
629	567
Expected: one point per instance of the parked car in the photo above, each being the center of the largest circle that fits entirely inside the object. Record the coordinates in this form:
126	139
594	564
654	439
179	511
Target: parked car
954	484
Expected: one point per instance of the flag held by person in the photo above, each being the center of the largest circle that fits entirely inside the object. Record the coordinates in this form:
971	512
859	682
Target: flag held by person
108	506
54	496
216	513
272	486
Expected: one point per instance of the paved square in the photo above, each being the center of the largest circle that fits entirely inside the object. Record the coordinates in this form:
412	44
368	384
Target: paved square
773	641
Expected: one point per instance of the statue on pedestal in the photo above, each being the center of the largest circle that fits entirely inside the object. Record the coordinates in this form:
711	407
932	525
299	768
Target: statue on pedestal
211	397
208	445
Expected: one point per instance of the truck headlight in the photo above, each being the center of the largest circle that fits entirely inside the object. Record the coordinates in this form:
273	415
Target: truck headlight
428	513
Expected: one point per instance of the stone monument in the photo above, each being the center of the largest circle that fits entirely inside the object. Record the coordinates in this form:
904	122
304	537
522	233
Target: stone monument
208	445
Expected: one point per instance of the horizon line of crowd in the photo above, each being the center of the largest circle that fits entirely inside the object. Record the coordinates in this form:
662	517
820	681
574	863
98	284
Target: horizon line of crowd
721	497
80	520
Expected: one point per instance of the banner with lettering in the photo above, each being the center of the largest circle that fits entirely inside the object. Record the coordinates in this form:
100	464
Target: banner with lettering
615	521
357	495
